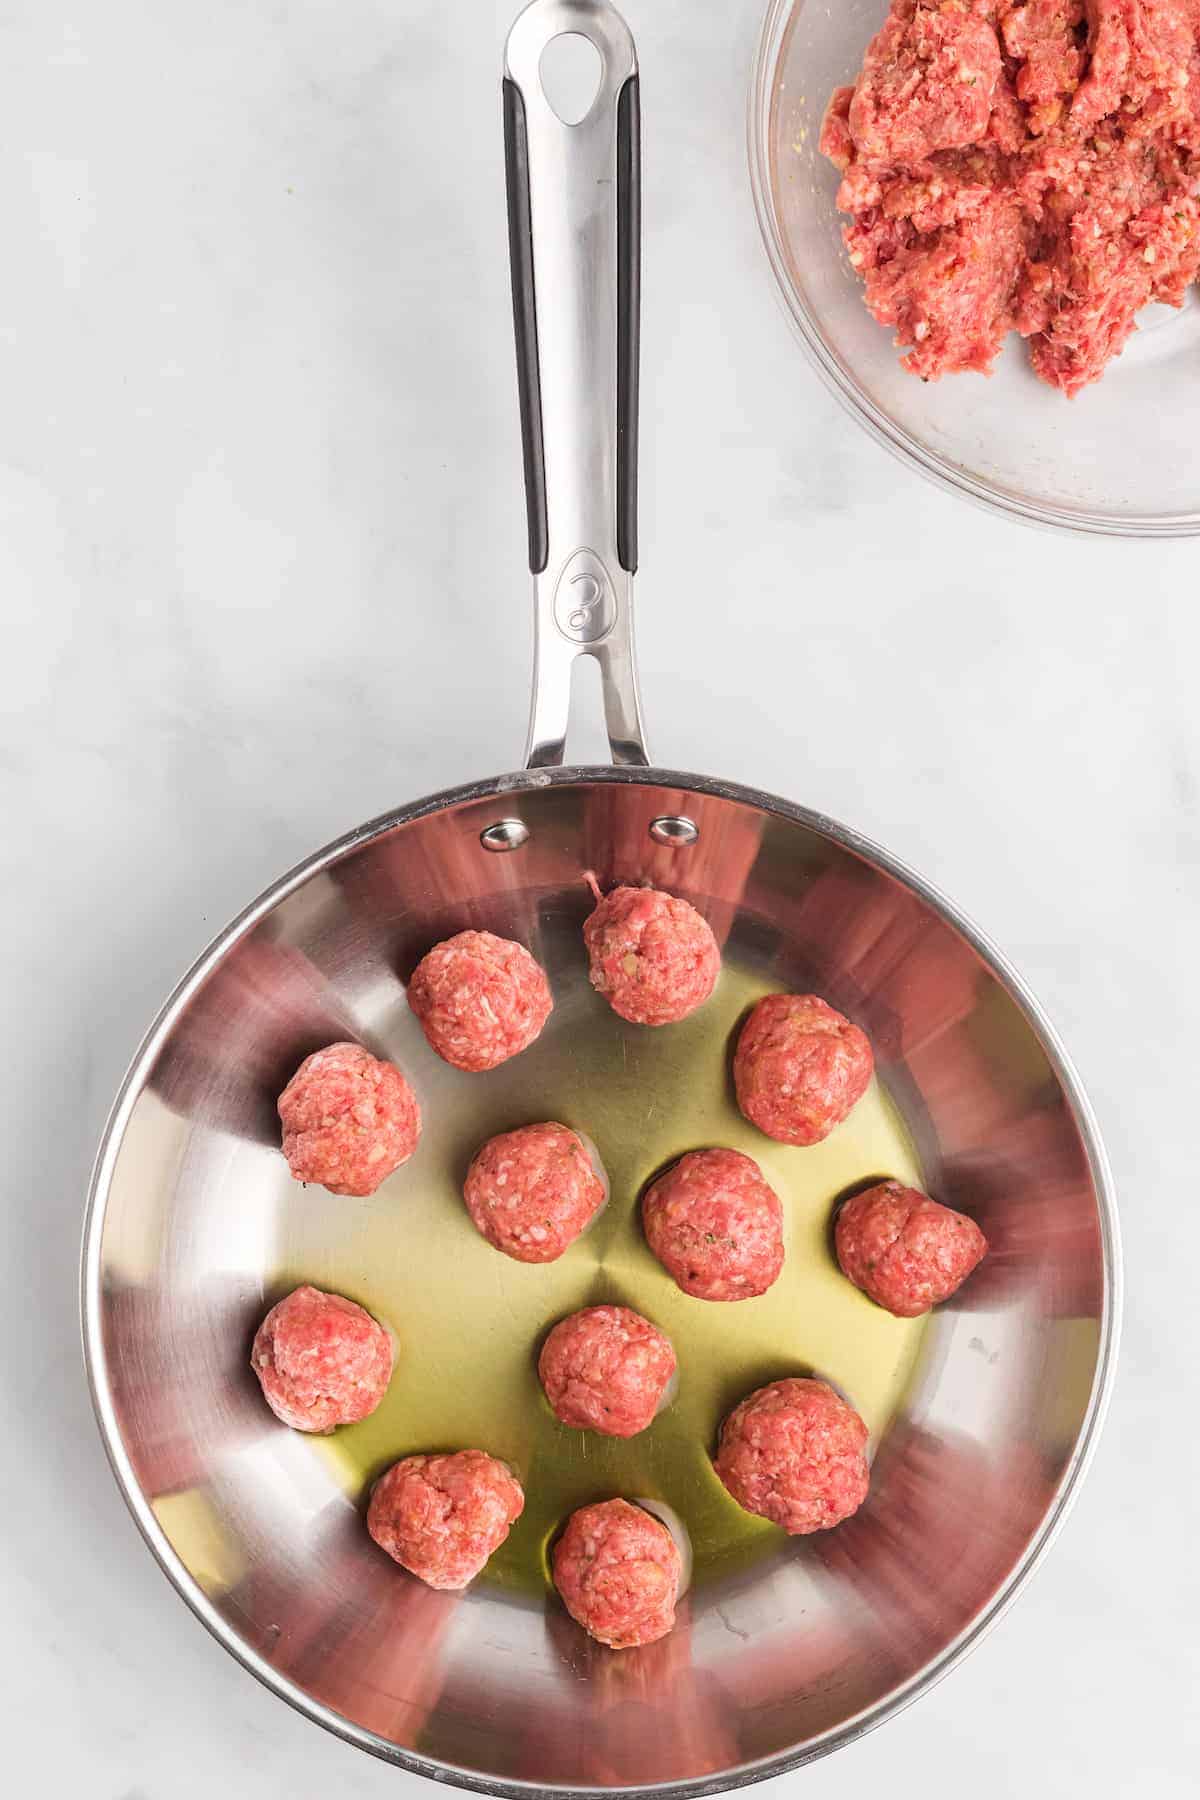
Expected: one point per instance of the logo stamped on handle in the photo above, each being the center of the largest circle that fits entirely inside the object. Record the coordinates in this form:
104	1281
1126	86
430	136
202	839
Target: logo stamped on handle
583	618
585	606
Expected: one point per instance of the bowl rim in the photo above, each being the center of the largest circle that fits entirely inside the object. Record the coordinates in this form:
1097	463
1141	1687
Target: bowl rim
508	787
952	477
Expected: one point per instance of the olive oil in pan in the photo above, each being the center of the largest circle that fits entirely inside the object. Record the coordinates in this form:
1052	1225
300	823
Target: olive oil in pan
469	1322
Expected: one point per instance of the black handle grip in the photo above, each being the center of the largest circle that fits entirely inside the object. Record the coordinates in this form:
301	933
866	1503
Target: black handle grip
524	296
629	316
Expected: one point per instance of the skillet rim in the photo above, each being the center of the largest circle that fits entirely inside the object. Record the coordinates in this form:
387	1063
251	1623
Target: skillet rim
498	787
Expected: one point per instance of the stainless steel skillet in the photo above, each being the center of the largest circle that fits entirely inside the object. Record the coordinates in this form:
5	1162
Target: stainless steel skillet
983	1420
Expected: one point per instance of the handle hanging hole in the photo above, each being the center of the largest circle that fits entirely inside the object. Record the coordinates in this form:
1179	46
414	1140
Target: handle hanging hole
571	71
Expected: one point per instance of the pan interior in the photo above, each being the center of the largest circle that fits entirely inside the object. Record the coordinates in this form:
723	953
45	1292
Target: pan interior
975	1415
470	1322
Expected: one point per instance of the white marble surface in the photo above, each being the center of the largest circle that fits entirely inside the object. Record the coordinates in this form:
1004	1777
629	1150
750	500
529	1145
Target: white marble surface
258	481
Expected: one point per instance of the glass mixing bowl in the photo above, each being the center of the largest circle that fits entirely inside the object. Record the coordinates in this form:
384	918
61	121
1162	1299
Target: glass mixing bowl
1120	459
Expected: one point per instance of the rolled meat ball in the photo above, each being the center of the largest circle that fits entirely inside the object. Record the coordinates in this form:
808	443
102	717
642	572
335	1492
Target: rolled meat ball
800	1068
618	1572
480	1000
795	1453
904	1250
442	1517
349	1121
322	1361
531	1192
606	1369
716	1226
652	956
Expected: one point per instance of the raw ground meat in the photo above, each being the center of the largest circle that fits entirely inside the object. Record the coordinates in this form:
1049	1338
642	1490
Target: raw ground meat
652	956
1031	167
927	84
532	1191
606	1369
716	1226
441	1517
800	1068
348	1120
904	1250
618	1572
480	999
322	1361
795	1453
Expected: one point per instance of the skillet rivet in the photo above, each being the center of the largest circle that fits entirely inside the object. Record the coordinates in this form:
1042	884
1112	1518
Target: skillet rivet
505	835
675	831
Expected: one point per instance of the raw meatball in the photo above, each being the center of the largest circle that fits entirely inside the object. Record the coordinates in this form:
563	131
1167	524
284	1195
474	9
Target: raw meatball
606	1369
480	999
800	1068
618	1571
652	956
348	1120
531	1192
795	1453
716	1226
322	1360
904	1250
441	1517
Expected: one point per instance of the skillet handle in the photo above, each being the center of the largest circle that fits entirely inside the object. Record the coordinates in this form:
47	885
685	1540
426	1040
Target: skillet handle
574	221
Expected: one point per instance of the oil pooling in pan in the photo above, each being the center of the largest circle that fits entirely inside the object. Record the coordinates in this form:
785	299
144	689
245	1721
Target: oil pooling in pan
470	1322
